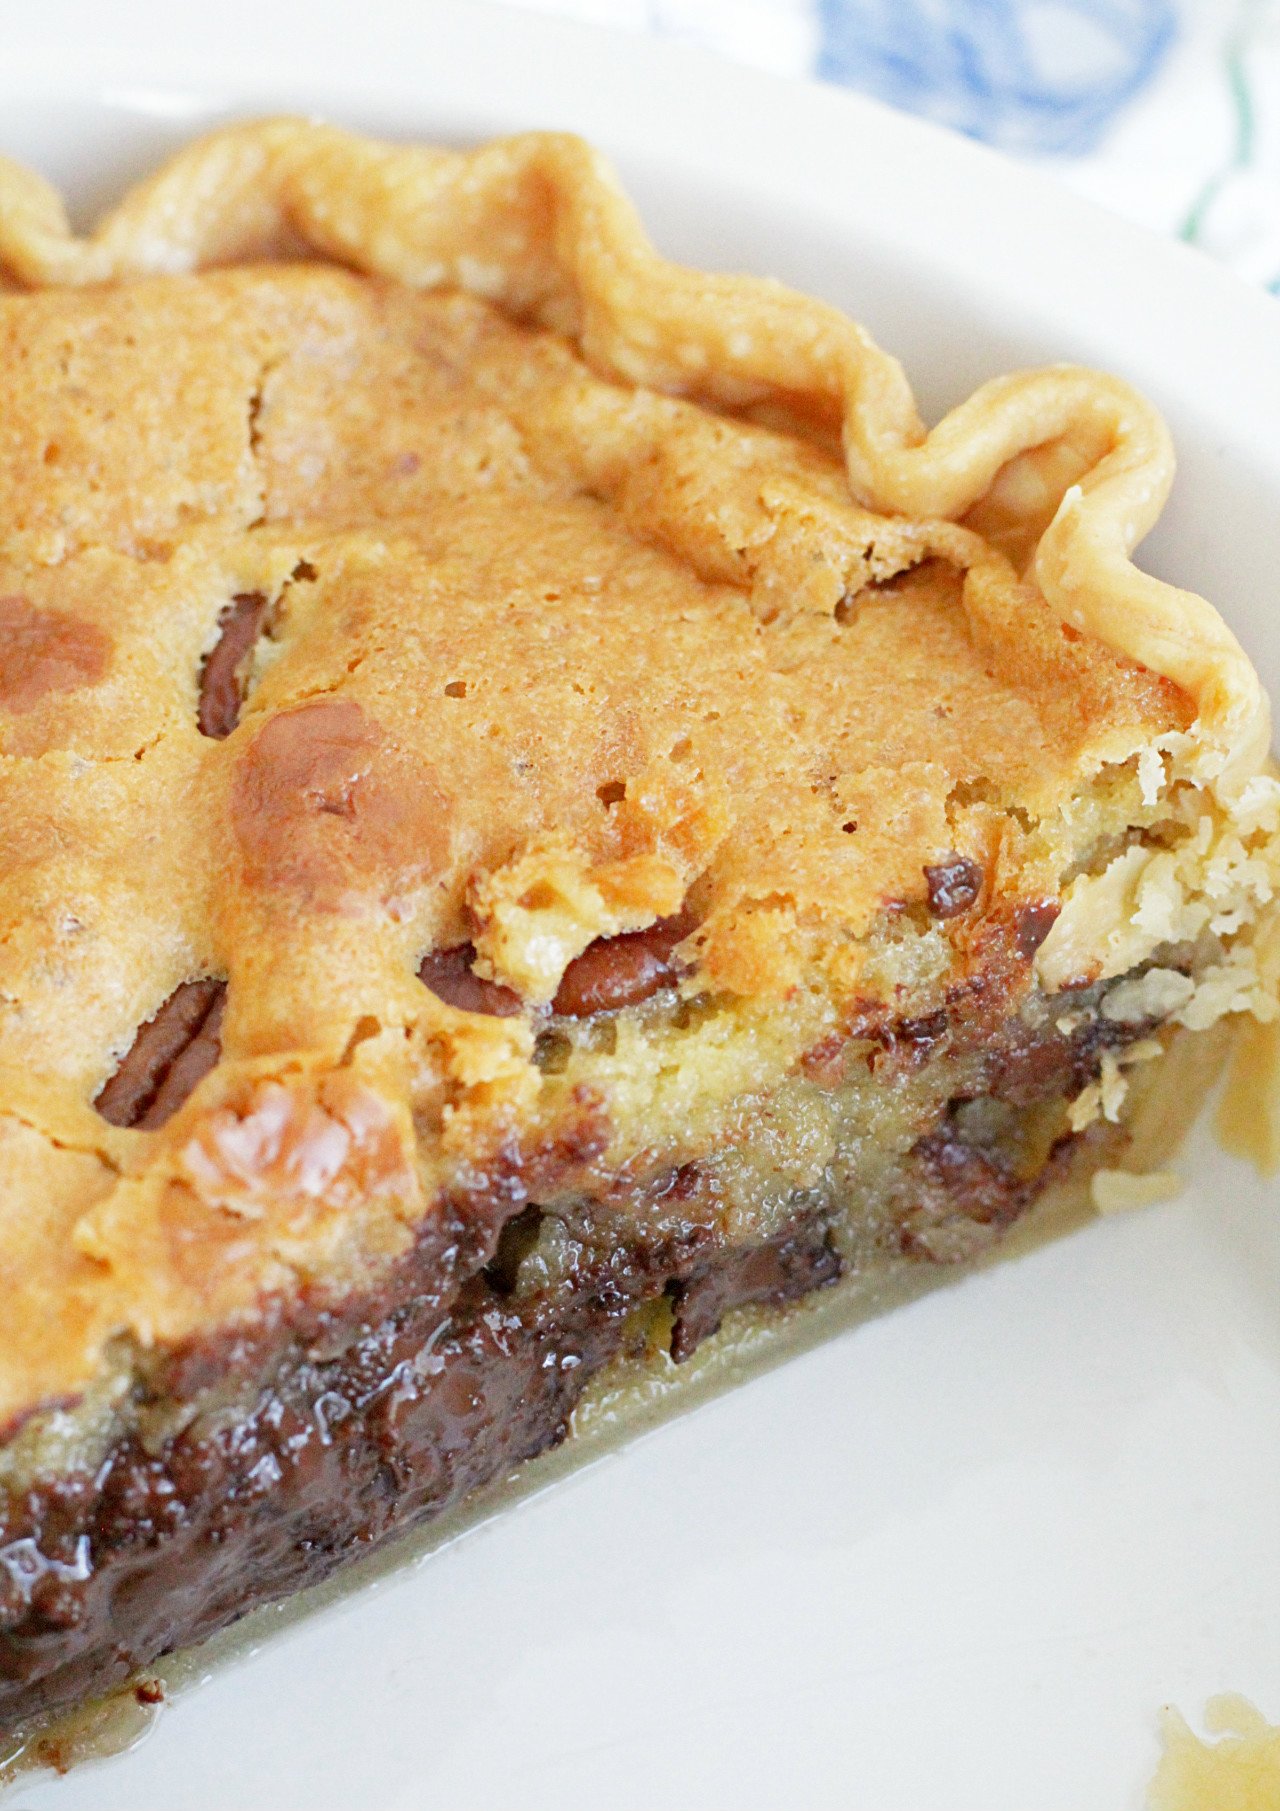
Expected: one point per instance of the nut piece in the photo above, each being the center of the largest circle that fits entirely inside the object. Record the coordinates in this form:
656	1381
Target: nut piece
43	651
222	682
623	970
448	973
170	1054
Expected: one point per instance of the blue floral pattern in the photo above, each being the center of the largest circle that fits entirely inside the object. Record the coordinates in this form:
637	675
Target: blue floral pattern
1028	75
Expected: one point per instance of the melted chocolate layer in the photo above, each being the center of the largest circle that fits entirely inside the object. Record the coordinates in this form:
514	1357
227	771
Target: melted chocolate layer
99	1576
341	1428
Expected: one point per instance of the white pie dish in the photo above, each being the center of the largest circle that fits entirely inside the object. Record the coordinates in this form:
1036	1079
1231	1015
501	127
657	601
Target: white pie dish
962	1556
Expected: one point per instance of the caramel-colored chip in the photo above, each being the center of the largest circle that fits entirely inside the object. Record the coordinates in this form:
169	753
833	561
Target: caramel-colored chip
43	651
324	804
1033	924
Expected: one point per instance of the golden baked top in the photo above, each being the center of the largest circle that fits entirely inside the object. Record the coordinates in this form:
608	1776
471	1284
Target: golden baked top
549	638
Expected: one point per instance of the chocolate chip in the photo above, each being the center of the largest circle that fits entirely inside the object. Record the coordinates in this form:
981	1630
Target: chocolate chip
56	1604
962	1195
781	1270
623	970
170	1054
1034	1067
954	884
925	1031
449	975
1033	923
222	681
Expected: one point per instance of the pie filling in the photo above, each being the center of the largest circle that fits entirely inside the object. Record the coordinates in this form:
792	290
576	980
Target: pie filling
238	1474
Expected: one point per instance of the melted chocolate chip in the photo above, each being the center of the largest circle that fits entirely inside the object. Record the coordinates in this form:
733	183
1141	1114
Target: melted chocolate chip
341	1435
222	680
962	1196
923	1033
954	885
781	1270
622	971
170	1054
516	1240
449	975
1033	924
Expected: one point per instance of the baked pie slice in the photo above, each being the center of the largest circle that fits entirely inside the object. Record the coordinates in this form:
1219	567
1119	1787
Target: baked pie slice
539	810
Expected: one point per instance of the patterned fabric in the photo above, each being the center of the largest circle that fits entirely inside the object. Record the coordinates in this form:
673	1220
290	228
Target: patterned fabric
1031	75
1165	110
1236	211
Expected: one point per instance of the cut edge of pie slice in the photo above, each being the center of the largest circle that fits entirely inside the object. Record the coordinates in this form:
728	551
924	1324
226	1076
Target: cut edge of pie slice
542	811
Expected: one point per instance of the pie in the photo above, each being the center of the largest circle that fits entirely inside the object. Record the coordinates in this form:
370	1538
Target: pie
544	819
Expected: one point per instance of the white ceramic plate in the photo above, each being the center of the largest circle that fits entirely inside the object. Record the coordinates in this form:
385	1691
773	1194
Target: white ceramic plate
956	1560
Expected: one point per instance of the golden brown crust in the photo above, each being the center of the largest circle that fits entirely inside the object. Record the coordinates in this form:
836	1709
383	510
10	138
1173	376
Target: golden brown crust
538	224
546	655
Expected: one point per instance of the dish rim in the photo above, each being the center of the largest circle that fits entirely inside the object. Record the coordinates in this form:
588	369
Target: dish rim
1180	284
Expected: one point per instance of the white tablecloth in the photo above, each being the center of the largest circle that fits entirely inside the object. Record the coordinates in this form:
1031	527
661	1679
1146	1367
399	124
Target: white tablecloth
1166	110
